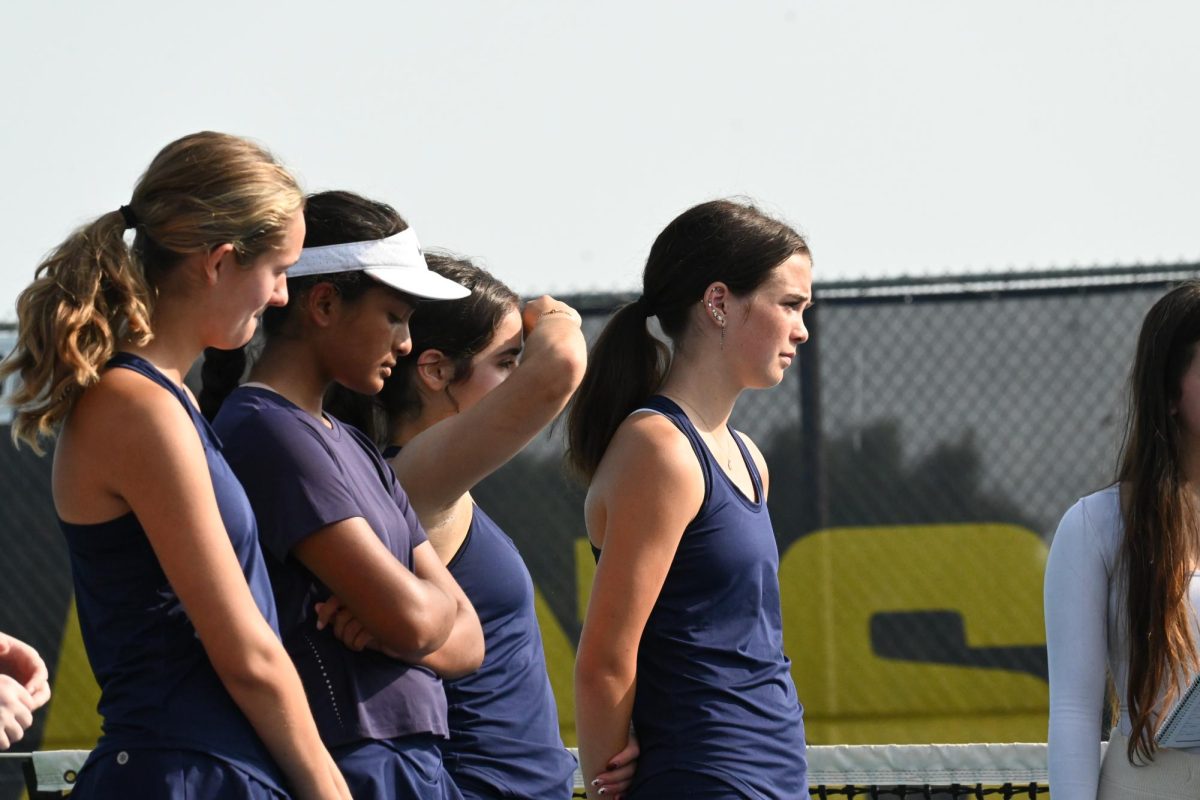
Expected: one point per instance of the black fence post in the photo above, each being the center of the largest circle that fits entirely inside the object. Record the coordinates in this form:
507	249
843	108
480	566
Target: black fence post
811	478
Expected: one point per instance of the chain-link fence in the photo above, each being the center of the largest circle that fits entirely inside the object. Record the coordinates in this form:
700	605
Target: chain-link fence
921	451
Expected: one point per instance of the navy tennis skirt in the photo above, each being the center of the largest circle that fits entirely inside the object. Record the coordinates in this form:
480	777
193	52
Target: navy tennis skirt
677	784
159	774
385	769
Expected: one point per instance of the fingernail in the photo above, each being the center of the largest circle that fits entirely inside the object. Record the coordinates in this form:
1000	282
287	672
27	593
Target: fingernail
596	782
602	791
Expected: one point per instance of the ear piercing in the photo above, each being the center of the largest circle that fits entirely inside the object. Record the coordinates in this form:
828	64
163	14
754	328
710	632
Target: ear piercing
719	317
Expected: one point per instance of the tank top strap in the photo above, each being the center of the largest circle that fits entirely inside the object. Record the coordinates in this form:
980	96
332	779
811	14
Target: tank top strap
751	464
708	462
671	410
143	367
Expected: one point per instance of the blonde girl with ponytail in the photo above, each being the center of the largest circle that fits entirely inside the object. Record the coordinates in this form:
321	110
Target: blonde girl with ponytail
198	696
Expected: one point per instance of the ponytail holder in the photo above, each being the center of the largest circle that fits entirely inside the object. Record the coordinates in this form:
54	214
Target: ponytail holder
131	220
643	306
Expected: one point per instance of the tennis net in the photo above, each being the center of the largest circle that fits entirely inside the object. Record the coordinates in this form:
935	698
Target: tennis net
870	772
929	771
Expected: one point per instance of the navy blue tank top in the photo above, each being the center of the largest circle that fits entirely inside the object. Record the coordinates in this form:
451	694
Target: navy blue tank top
714	689
503	719
157	687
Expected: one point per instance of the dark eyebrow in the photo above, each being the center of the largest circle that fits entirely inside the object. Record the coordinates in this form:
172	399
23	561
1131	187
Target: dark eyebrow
793	297
512	351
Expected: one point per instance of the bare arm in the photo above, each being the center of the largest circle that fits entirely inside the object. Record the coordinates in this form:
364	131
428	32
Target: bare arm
647	490
462	652
443	462
162	474
407	615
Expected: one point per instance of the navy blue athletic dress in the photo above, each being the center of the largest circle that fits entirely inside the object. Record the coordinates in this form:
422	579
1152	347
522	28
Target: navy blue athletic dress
715	711
504	739
171	730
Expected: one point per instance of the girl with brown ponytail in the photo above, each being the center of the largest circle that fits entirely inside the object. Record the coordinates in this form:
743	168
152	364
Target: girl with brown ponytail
683	634
198	696
1122	593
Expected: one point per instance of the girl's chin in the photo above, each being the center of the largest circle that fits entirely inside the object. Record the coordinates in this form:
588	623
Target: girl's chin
236	339
367	386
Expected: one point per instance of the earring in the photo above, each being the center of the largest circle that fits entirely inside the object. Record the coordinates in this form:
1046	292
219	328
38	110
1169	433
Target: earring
720	318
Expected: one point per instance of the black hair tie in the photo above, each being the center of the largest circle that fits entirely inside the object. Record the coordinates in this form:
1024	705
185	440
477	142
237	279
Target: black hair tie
643	306
131	220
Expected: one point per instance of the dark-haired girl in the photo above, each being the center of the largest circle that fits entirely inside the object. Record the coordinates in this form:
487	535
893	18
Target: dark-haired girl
198	696
1122	592
458	407
332	518
683	633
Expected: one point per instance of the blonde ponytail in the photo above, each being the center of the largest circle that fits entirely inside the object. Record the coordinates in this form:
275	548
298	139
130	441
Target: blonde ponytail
85	296
94	292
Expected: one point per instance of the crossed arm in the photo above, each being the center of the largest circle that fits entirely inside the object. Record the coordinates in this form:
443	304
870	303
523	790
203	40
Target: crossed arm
421	617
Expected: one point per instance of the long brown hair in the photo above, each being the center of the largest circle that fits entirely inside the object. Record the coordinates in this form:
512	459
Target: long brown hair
1159	548
721	240
94	291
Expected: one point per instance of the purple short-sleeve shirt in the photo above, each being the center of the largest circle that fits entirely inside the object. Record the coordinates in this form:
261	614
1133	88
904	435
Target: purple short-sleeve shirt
301	476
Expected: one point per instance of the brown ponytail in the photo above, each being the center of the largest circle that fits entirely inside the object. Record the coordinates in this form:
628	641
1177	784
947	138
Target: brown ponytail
624	368
94	292
721	240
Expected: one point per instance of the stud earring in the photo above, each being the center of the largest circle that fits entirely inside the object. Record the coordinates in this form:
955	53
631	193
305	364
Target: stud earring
720	318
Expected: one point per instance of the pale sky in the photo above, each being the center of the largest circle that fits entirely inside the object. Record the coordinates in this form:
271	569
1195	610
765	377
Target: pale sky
554	139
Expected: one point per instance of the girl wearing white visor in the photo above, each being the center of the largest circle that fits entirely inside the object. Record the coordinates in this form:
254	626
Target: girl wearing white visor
332	519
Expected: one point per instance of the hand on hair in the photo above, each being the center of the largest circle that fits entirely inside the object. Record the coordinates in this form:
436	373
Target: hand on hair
546	307
24	688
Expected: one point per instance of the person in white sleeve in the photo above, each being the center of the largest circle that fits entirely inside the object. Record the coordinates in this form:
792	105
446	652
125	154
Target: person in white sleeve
1122	593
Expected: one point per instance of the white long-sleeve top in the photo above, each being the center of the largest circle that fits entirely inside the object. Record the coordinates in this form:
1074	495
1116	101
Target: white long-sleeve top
1084	639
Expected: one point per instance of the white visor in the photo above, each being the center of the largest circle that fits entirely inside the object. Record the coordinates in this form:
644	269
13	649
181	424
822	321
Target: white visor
396	261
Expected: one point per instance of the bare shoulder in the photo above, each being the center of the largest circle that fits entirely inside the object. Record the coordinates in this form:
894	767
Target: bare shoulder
121	403
648	469
121	425
648	444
